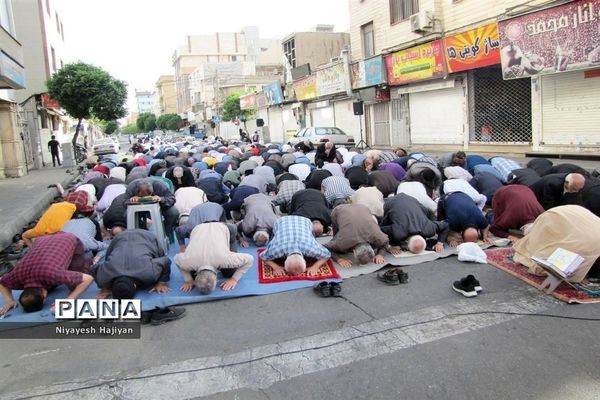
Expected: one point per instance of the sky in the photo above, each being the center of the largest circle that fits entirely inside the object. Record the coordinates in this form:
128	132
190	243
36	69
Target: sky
134	40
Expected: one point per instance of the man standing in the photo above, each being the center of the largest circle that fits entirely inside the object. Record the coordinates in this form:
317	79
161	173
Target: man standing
53	146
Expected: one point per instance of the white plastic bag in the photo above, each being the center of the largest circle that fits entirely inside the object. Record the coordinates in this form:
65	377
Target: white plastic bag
471	252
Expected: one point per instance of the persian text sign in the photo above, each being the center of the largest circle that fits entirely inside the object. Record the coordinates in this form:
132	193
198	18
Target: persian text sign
367	73
558	39
331	80
306	88
479	47
415	64
248	102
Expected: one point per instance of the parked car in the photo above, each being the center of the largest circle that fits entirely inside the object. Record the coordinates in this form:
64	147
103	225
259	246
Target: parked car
105	146
320	134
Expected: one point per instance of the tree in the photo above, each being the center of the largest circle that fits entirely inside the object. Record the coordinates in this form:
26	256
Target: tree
173	122
141	120
150	123
130	129
161	122
231	109
111	127
86	91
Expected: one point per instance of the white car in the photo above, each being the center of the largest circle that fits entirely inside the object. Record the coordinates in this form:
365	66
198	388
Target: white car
323	134
105	146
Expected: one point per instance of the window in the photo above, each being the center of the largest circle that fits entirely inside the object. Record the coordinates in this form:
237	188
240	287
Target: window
289	49
233	58
5	20
53	58
401	10
368	40
329	131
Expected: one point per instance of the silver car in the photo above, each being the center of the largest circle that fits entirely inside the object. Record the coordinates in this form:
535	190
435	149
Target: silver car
322	134
105	146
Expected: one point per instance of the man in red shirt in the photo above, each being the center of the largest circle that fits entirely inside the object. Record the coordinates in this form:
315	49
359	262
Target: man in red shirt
57	259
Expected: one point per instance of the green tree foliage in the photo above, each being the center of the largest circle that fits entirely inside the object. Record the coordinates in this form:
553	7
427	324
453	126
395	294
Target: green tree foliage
86	91
150	123
161	122
111	127
141	120
173	122
130	129
231	108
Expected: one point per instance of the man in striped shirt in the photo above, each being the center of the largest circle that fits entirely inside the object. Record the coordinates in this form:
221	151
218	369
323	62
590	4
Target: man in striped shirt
337	190
292	243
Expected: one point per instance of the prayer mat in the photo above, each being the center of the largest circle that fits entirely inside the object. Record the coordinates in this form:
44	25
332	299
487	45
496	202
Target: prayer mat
582	292
247	286
405	259
265	272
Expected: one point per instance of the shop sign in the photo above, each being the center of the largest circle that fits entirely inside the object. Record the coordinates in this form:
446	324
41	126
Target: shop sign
273	93
557	39
261	100
331	80
370	72
49	102
306	88
416	64
11	72
476	48
248	102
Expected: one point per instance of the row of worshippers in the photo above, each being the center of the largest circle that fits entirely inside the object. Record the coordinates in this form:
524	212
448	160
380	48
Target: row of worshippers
361	222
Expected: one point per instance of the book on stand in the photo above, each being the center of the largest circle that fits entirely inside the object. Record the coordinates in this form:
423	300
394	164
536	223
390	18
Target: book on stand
562	262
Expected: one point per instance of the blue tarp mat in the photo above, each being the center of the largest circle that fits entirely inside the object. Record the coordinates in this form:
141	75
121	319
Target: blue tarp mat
247	286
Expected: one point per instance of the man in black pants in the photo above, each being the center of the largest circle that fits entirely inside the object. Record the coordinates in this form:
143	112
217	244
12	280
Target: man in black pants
53	146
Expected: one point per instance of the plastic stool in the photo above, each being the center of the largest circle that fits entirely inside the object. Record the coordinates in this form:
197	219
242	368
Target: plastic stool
133	219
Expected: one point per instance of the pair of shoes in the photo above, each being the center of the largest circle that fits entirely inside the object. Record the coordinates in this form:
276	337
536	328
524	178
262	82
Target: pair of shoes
394	276
163	315
328	289
467	286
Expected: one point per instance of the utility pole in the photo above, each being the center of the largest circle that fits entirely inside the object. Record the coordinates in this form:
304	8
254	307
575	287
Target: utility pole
217	91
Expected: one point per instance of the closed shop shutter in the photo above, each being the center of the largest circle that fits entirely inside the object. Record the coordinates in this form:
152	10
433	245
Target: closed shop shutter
275	126
381	124
437	116
570	109
323	116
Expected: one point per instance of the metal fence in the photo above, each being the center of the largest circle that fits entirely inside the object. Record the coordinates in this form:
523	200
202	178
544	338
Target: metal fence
499	110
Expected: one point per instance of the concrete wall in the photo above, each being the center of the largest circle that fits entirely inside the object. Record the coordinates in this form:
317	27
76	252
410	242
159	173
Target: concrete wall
454	16
37	31
318	48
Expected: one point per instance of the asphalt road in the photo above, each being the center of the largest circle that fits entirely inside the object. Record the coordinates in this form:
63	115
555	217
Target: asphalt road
416	341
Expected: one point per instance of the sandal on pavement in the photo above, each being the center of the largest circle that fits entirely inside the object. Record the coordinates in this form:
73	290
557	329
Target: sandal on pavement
389	277
336	289
322	289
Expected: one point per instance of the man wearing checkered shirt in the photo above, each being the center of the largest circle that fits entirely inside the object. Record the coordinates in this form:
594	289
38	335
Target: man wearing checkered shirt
285	192
293	241
54	260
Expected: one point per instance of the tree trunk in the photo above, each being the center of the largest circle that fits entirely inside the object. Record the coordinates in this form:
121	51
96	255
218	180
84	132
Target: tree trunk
74	141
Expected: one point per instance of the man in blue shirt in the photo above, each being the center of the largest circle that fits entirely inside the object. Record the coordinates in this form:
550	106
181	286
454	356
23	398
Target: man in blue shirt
464	217
292	242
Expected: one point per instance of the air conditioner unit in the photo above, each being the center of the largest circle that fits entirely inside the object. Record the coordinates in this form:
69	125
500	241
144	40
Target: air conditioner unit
421	22
335	59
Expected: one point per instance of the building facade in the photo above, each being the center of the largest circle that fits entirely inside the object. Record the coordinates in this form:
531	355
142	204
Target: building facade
145	101
164	95
41	31
12	79
507	75
304	55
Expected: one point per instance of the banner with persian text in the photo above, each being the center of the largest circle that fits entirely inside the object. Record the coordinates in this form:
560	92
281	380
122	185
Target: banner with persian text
557	39
416	64
476	48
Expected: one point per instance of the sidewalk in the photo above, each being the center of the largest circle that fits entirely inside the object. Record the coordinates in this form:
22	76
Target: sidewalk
24	199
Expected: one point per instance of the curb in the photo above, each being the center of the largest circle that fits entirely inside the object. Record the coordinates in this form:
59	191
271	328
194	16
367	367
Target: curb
23	218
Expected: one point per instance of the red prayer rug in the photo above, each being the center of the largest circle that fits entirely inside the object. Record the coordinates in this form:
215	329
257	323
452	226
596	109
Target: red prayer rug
265	272
502	258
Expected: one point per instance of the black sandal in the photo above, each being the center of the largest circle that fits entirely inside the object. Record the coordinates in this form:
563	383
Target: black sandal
322	289
389	277
336	289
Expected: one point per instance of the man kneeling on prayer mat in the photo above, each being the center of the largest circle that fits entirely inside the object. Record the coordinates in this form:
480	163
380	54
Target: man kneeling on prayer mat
355	229
211	249
134	260
292	242
53	260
